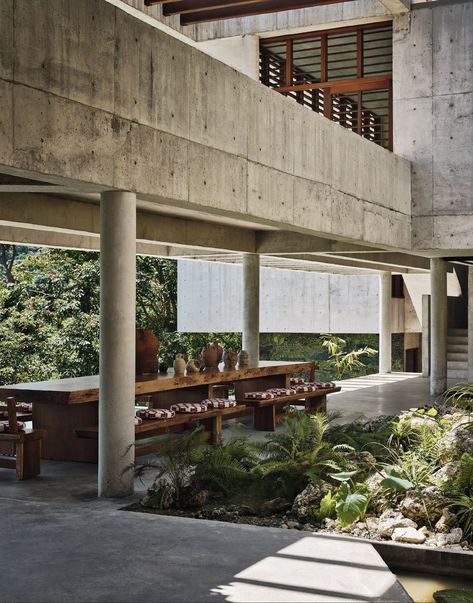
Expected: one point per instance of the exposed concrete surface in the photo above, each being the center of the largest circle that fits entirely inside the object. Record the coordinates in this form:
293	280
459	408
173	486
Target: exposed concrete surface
129	107
62	544
210	299
433	120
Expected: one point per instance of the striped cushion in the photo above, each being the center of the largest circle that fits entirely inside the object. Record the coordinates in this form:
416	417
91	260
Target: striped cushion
156	413
138	421
259	395
189	408
297	380
219	403
283	391
4	426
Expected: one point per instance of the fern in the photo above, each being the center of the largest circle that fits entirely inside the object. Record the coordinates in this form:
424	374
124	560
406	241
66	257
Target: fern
463	483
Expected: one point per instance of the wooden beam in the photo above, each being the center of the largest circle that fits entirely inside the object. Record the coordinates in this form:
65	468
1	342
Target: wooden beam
246	8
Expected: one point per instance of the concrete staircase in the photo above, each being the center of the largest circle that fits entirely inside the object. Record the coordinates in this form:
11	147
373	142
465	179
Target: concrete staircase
457	354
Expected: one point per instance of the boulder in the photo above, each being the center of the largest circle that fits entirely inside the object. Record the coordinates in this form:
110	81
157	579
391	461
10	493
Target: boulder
446	522
374	481
453	537
423	422
275	505
309	500
459	440
387	526
424	507
447	471
410	535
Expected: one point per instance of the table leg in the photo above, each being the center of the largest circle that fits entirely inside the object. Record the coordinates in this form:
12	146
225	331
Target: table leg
264	418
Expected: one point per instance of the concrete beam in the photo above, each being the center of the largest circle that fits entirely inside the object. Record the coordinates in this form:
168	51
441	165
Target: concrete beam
277	242
336	261
47	214
396	7
396	260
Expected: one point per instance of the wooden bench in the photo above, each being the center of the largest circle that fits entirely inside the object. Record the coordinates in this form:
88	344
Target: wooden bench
20	449
264	418
211	420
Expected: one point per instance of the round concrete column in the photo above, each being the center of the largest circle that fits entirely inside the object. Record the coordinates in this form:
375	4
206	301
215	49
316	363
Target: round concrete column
438	326
470	324
385	295
117	342
251	306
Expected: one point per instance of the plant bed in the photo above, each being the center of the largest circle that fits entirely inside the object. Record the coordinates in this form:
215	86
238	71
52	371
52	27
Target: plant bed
404	479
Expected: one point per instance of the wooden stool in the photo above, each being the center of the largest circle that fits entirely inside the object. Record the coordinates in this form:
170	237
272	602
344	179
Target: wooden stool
21	449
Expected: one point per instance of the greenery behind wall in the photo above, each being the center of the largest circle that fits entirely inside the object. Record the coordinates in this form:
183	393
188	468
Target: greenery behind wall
49	318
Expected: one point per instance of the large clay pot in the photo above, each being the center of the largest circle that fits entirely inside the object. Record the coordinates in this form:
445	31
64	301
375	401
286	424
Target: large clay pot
179	365
147	348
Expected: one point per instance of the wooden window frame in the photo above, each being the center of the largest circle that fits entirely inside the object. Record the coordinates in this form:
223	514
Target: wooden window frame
330	87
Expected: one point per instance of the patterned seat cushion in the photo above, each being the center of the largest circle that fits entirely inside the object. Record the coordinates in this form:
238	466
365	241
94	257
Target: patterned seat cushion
259	395
283	391
297	380
188	407
4	426
138	421
219	403
156	413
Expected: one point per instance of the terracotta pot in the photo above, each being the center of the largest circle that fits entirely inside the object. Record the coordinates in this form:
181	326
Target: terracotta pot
242	359
210	357
193	366
147	348
230	360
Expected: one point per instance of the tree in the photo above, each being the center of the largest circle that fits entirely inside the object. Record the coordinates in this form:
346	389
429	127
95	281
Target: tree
8	255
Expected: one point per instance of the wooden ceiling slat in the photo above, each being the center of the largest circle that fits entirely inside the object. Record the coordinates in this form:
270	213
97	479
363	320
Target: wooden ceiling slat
197	11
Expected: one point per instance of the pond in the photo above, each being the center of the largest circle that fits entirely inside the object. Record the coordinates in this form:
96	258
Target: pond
421	587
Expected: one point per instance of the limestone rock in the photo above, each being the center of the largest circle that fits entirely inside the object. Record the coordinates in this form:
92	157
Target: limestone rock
408	535
373	482
309	499
447	471
425	508
447	521
453	537
387	526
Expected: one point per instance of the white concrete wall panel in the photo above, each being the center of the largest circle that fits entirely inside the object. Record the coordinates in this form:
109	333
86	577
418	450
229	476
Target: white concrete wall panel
210	299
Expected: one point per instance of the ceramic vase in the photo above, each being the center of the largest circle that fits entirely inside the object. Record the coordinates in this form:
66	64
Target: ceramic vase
230	360
193	366
242	359
179	365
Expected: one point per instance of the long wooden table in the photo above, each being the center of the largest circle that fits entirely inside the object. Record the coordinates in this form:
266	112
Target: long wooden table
65	406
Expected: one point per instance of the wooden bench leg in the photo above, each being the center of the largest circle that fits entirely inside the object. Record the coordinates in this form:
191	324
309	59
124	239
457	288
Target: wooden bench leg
28	459
316	404
213	426
264	418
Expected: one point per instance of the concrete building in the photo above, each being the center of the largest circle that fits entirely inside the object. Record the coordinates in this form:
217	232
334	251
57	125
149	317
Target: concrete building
359	162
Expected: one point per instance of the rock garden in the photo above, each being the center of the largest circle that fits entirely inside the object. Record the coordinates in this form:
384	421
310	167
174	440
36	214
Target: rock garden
406	478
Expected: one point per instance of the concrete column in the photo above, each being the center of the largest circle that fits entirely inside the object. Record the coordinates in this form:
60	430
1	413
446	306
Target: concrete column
251	270
438	326
425	335
117	342
470	324
385	294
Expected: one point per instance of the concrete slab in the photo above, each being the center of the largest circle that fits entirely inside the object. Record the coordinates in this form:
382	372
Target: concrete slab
60	543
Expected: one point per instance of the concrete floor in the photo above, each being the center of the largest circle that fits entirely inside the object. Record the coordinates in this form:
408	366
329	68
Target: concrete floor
61	543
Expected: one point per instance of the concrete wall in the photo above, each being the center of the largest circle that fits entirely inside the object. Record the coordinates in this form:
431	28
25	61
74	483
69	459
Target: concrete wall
209	299
433	121
240	52
94	98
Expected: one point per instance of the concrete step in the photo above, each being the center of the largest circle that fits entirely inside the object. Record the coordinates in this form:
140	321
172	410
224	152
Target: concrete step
457	356
457	374
456	348
455	364
461	332
456	340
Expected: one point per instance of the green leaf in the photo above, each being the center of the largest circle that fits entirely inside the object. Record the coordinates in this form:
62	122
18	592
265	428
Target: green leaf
350	508
343	476
396	483
432	412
